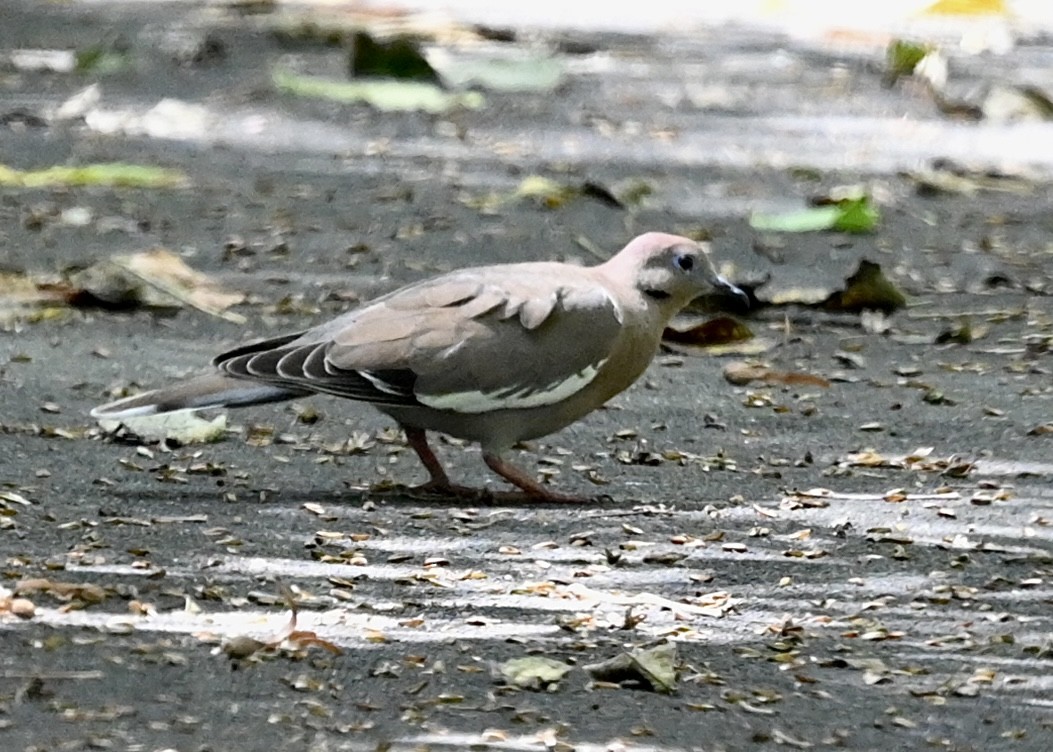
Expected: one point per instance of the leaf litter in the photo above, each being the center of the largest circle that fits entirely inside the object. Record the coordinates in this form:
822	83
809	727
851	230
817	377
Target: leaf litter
650	668
288	640
532	672
749	704
384	95
16	605
552	194
851	214
395	74
977	99
154	278
110	174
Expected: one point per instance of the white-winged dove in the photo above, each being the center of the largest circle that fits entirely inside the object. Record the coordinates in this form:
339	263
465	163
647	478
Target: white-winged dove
494	354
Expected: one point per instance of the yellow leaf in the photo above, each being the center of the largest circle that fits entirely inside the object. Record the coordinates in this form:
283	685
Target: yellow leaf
967	8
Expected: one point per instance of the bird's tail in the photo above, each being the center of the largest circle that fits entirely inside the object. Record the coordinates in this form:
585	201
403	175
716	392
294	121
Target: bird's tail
213	390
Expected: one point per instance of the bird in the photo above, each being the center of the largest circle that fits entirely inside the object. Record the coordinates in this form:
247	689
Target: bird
494	355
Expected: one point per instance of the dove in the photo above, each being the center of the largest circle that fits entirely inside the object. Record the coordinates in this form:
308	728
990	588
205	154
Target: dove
494	355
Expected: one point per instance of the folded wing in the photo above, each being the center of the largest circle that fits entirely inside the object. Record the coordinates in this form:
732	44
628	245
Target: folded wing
466	342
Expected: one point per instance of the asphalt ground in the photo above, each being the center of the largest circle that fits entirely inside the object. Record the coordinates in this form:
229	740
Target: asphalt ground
864	565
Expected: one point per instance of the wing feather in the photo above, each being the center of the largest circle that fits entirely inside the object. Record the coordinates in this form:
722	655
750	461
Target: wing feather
472	342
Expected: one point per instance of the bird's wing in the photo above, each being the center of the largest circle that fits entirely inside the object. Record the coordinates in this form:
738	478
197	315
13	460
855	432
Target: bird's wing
471	342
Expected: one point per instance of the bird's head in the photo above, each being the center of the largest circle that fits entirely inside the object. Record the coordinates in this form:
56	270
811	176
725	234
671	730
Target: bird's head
670	271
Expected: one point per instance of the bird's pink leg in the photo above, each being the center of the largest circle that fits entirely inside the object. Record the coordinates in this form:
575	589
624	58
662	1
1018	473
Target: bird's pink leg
438	482
522	480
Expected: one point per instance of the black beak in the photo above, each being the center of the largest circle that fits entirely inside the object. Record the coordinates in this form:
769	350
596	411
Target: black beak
727	288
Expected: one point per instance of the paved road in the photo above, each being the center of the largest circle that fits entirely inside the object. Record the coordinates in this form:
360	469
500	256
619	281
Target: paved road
905	605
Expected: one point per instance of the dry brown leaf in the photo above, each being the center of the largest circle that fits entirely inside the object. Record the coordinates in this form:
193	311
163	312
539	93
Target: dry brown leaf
894	495
67	591
741	373
867	289
244	646
17	289
721	330
654	668
919	459
159	278
240	647
310	639
23	608
23	298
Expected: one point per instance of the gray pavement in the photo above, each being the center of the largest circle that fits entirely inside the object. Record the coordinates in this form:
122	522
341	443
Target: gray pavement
827	584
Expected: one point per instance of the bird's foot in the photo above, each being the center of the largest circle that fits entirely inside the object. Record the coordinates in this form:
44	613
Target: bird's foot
439	490
530	489
540	496
444	489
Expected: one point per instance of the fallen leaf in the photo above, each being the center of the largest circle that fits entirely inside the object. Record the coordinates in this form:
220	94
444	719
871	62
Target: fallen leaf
532	672
184	427
301	638
967	8
902	57
50	61
962	334
549	194
158	278
804	220
867	289
382	94
23	298
240	647
398	58
853	215
1010	104
824	493
953	180
741	373
23	608
105	58
721	330
116	174
510	75
655	667
546	191
67	591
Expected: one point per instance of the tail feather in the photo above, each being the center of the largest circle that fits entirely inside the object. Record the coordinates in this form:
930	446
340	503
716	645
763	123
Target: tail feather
213	390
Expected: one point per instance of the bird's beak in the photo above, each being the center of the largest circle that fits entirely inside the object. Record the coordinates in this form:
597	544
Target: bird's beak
724	286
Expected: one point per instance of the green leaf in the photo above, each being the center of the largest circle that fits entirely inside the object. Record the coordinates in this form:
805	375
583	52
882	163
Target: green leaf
108	173
384	95
805	220
545	191
505	75
634	192
102	59
853	215
856	215
902	57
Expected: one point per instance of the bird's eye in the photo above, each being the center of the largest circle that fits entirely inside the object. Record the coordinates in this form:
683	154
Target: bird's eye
684	262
